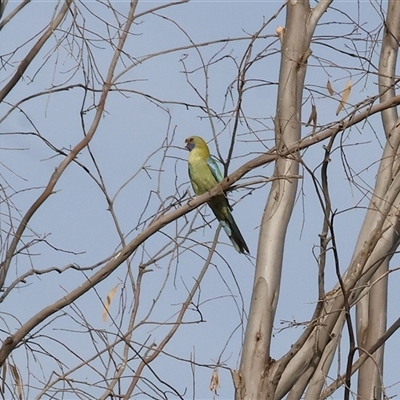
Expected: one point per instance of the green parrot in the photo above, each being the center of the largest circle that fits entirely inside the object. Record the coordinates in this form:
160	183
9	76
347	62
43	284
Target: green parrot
204	175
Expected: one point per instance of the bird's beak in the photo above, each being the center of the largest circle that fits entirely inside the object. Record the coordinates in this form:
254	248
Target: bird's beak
188	145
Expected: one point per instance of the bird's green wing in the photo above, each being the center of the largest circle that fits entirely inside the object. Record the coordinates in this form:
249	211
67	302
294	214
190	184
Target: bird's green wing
214	169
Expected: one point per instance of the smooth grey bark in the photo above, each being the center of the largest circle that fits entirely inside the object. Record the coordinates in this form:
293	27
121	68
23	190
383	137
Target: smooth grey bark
304	368
258	375
379	237
372	308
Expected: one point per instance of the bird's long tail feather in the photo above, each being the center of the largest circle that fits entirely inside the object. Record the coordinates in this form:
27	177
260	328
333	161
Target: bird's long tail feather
234	234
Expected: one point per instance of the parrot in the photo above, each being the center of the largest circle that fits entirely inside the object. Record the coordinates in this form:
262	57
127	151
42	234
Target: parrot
204	174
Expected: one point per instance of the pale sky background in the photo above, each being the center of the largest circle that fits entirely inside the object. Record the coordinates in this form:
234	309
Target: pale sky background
76	217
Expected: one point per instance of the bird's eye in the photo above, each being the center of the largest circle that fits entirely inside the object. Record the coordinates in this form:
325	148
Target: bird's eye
191	139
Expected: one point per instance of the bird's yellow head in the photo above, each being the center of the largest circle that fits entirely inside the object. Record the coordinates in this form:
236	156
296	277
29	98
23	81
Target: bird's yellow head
196	142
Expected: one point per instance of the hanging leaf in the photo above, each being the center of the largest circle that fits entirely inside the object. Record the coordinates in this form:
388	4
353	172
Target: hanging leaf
345	96
330	88
214	383
108	301
313	117
17	380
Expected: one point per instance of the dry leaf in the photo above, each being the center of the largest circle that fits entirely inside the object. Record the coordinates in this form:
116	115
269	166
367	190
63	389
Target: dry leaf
108	301
214	383
280	31
313	117
329	87
345	96
17	380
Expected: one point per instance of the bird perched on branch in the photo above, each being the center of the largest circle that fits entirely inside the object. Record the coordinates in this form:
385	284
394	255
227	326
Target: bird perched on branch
204	175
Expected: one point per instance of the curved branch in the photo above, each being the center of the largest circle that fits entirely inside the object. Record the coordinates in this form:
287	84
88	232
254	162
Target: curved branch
11	342
12	14
75	151
364	356
24	64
